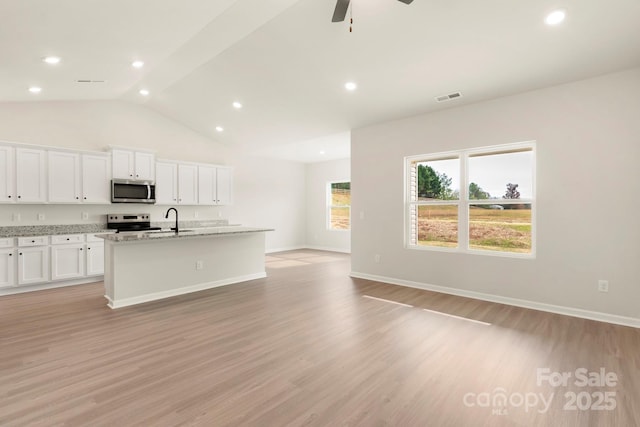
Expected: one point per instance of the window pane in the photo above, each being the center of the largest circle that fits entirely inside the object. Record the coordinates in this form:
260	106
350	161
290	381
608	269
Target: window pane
438	179
438	225
341	193
505	228
501	176
340	218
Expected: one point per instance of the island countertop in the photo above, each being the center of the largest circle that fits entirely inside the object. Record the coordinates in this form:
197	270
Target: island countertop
195	232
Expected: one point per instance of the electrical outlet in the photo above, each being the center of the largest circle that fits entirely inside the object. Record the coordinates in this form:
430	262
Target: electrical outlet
199	265
376	258
40	217
603	285
85	215
17	217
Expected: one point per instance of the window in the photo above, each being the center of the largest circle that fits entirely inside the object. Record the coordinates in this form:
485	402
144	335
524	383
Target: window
339	205
473	200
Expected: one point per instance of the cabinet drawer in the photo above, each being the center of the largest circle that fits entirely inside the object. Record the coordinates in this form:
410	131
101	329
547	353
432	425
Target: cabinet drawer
6	242
33	241
64	239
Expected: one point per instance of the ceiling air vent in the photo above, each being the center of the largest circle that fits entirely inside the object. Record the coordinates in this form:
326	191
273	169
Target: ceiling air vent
90	81
448	97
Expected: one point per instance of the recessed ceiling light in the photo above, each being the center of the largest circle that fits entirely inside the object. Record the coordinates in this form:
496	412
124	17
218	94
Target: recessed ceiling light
52	60
237	105
219	128
556	17
322	152
144	92
137	64
350	86
35	89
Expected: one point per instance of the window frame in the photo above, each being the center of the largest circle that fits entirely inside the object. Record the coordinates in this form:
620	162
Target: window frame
329	199
463	202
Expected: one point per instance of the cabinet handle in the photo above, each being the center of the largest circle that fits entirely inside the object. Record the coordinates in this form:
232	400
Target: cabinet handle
20	253
10	254
9	196
137	176
77	197
131	175
80	248
87	249
33	241
67	238
19	197
85	197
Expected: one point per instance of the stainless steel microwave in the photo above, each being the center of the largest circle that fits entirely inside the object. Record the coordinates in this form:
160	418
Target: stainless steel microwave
132	191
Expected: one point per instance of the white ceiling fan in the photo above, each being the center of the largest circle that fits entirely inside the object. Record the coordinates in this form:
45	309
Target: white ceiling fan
341	9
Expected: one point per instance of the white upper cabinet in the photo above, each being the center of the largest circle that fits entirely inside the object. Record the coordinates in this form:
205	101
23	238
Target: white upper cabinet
166	183
31	181
64	177
145	166
133	164
123	164
96	178
7	174
223	186
214	185
187	184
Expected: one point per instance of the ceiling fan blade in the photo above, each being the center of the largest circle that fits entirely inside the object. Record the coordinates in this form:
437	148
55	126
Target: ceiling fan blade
406	1
341	10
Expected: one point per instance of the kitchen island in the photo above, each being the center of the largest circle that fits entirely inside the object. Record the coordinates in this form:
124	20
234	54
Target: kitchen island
148	266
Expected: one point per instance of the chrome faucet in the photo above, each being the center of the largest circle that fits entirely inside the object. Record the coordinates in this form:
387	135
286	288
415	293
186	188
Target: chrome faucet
167	216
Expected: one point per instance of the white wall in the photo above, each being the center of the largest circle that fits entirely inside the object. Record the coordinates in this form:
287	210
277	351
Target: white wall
318	176
266	192
588	182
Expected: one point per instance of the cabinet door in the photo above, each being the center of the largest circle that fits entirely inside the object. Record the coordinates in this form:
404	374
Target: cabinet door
64	177
123	164
224	196
188	184
96	178
95	258
7	174
33	265
206	185
7	268
67	261
166	183
30	175
145	166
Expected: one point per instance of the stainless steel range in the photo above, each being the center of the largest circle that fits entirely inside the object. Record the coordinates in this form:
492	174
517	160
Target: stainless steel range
130	222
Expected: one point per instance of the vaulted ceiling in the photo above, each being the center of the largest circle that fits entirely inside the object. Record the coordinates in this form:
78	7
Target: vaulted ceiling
287	63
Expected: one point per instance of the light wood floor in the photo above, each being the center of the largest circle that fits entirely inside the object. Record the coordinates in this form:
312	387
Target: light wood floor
306	346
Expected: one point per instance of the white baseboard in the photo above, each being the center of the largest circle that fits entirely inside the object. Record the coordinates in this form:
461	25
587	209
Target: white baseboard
289	248
49	285
328	249
181	291
557	309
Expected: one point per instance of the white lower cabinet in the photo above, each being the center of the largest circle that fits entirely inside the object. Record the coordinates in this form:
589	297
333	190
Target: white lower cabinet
95	256
67	261
33	265
7	268
40	260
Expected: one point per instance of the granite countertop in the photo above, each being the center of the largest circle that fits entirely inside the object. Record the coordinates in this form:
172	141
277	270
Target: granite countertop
196	232
57	229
